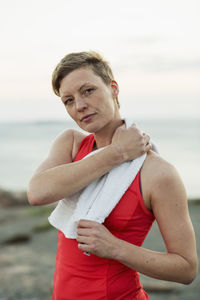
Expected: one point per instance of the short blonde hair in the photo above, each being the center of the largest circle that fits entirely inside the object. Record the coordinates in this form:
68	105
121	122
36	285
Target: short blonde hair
77	60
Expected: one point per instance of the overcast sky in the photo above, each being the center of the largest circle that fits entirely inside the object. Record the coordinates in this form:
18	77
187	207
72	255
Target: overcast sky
153	47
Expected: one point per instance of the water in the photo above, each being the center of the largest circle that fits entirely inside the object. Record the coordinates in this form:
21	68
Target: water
24	145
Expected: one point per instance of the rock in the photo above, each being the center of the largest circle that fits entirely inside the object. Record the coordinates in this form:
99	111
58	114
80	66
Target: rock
17	239
13	198
45	226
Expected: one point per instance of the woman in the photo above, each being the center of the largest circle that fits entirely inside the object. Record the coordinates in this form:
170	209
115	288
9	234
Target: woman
87	88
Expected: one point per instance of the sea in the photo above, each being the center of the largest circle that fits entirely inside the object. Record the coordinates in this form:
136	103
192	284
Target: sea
24	145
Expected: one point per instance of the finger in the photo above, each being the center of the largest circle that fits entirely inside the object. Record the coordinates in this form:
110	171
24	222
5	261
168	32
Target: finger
83	240
148	147
84	247
146	138
83	231
86	223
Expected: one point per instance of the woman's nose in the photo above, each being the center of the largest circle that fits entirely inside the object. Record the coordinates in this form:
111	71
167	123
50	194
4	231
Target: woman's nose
80	104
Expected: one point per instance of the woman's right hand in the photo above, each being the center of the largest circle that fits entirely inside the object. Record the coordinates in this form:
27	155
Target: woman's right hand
131	142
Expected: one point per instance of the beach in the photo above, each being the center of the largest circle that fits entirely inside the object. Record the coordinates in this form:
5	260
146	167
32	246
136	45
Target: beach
28	250
28	242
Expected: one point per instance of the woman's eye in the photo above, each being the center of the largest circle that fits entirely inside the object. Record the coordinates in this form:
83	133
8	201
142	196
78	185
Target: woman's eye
68	101
89	91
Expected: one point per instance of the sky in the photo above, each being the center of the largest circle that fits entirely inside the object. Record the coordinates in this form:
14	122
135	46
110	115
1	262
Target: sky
153	48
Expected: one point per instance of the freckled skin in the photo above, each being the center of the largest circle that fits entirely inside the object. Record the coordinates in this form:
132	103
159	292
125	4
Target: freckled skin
85	95
163	191
95	98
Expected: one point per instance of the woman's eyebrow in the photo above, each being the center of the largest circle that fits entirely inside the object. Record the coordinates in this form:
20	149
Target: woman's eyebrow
81	87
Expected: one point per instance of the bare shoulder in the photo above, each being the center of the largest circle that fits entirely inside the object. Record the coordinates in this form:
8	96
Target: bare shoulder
63	149
67	143
160	169
165	183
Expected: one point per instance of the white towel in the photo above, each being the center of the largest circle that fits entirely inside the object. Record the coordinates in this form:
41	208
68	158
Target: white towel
98	199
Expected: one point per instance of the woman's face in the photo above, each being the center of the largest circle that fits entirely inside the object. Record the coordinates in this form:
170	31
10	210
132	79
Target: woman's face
88	100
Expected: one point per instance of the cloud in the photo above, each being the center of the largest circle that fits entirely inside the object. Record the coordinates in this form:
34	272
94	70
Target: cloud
158	63
163	64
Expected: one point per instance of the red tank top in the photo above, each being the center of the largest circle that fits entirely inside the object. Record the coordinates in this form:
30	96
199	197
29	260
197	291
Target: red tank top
81	277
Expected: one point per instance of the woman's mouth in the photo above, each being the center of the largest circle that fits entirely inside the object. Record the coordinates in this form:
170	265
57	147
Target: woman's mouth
87	118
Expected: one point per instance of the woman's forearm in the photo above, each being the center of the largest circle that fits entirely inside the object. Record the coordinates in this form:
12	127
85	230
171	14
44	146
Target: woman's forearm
54	183
163	266
61	181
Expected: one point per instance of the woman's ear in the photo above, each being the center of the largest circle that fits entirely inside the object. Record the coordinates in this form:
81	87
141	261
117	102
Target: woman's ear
115	89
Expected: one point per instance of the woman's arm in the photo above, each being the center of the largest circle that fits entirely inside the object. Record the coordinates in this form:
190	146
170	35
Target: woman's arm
58	177
169	204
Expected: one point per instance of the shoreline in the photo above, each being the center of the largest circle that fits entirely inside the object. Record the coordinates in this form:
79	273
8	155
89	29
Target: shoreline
28	246
14	197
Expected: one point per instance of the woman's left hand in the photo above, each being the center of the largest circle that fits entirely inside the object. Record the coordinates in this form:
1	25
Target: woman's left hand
95	238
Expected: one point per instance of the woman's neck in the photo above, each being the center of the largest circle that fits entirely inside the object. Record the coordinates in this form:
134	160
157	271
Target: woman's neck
104	137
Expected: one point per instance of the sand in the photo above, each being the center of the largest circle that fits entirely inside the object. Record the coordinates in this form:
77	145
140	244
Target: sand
28	251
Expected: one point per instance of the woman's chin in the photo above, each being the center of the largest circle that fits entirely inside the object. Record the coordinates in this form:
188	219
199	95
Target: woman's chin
91	128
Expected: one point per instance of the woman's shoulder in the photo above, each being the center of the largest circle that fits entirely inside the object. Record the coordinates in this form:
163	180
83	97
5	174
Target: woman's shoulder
78	138
158	165
67	142
158	168
160	173
71	140
161	180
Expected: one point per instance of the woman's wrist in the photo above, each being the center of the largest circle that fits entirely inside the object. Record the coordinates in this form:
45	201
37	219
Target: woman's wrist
118	249
117	153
